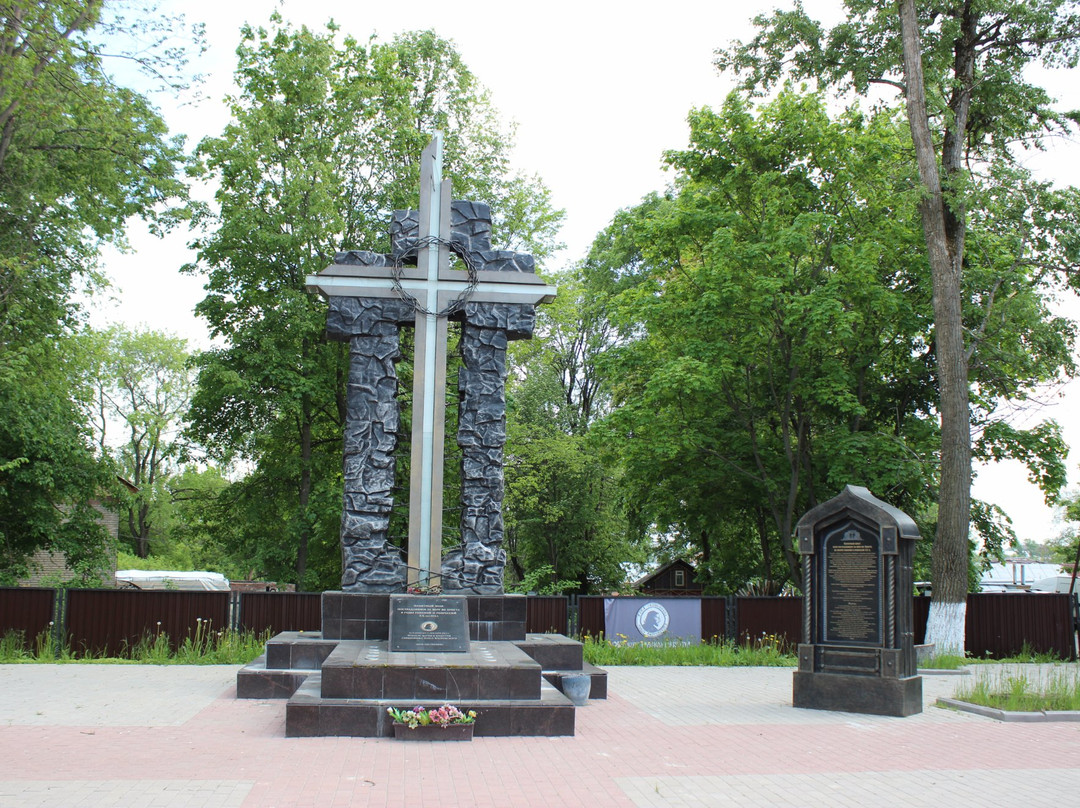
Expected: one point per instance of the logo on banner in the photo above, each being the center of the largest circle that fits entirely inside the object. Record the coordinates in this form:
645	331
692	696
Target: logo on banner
652	620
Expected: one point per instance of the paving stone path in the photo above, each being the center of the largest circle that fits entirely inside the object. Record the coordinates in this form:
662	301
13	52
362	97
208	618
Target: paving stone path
175	737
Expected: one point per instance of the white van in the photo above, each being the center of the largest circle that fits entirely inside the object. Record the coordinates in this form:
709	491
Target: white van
1059	583
198	581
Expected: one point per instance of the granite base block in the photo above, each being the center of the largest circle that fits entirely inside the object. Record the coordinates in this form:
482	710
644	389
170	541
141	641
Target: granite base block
554	652
599	681
339	686
870	695
365	616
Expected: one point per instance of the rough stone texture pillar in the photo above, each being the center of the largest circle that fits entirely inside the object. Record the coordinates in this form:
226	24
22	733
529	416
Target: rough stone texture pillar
477	565
371	326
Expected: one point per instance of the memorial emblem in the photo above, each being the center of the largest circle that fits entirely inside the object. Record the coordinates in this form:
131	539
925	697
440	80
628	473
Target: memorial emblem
652	620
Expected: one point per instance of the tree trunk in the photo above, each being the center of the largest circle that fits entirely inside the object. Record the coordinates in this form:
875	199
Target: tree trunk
515	562
304	490
142	540
949	570
766	549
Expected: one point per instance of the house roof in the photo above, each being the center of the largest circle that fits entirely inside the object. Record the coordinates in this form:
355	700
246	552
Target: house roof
130	486
660	570
1018	573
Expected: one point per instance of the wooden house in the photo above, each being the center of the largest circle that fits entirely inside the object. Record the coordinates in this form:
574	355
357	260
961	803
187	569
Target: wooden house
675	578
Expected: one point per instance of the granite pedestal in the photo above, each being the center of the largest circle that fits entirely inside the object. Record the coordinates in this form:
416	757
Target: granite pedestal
858	694
342	686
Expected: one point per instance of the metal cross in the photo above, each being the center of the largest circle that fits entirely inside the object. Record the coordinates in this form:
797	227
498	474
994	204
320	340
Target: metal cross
433	287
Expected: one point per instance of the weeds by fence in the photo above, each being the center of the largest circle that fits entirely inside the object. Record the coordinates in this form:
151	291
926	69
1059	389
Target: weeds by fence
204	647
766	652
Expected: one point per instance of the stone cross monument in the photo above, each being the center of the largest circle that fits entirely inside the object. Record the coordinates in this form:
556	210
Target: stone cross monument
371	296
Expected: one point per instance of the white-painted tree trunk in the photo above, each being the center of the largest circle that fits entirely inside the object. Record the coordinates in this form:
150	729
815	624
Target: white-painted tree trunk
945	627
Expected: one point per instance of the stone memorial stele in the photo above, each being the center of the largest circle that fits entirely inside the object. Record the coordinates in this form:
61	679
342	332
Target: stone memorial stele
371	297
858	652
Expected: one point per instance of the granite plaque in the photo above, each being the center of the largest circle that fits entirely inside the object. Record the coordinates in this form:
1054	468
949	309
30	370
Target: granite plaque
852	586
438	623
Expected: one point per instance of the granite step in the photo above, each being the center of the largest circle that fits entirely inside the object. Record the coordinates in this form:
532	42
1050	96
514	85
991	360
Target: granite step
256	681
298	650
309	714
292	656
367	669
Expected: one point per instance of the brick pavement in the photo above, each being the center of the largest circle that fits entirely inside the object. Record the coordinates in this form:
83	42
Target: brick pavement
665	737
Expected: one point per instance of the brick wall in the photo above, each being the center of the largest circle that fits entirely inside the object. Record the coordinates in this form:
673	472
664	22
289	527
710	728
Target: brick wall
49	569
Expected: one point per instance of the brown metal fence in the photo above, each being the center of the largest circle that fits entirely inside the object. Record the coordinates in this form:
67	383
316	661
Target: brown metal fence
590	616
920	611
302	611
764	618
27	611
547	614
713	619
280	611
106	621
1000	625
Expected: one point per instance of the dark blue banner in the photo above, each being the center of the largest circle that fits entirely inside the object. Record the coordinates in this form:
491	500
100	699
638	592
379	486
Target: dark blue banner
649	620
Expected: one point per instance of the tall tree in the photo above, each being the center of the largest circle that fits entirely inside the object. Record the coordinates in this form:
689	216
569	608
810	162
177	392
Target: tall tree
49	475
140	388
324	144
960	66
80	154
565	512
775	337
751	373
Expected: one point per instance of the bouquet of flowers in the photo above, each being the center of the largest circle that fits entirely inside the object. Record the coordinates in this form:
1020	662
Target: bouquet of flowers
420	717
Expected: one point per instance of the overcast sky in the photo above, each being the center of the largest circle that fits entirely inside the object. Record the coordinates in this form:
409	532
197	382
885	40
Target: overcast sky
598	93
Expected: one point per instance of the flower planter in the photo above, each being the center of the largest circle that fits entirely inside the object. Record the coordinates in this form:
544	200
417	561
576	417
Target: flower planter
576	688
434	732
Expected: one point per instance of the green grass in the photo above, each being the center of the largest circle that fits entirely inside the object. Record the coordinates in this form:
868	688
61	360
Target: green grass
204	647
1057	690
768	652
13	647
1026	655
1029	655
944	662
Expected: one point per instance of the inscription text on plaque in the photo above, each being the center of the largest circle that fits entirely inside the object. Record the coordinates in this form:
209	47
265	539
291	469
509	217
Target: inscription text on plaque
852	586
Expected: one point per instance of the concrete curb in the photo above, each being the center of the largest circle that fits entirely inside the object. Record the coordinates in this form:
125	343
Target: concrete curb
1015	716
